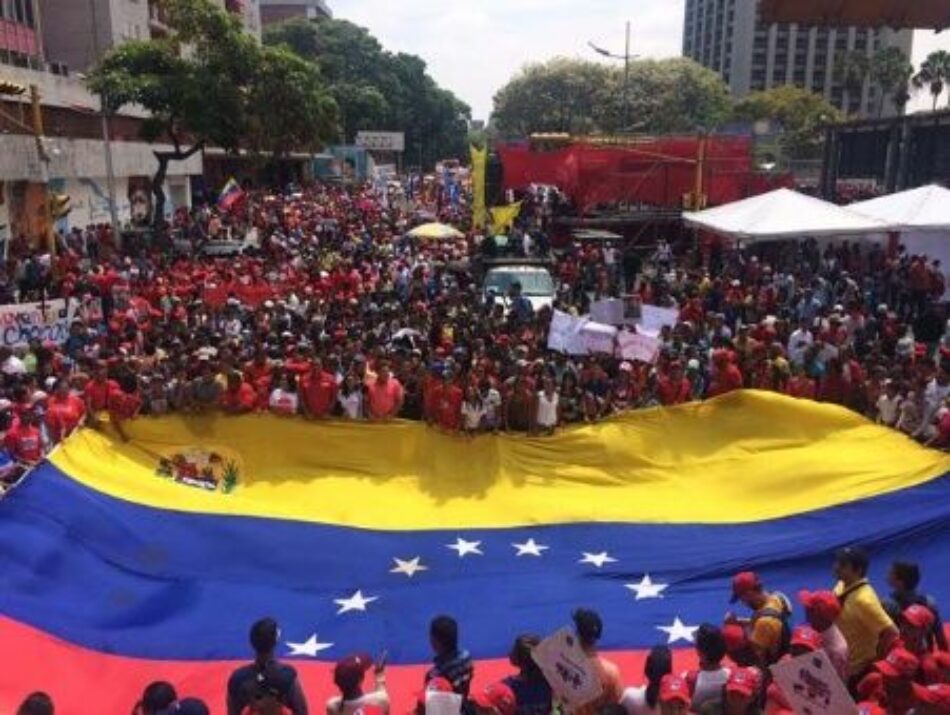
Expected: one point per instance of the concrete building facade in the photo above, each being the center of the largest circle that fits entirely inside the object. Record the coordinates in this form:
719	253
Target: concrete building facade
279	10
729	37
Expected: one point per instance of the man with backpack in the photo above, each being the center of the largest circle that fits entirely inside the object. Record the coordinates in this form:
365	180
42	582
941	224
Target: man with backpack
769	630
265	686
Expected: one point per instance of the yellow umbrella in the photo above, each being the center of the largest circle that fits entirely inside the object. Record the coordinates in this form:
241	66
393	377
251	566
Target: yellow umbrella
435	231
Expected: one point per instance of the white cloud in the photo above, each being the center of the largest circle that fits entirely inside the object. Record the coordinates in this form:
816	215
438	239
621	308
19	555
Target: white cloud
474	46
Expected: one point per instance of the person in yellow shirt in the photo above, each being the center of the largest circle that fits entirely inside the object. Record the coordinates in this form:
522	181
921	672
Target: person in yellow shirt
768	631
864	623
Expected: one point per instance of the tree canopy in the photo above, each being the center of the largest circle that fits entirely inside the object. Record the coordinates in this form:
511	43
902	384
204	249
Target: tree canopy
210	84
801	113
934	74
580	97
379	90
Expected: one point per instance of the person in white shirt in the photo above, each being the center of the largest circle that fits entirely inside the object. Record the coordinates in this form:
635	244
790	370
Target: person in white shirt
473	410
888	404
348	675
707	682
645	700
351	397
798	343
283	398
822	609
935	393
546	406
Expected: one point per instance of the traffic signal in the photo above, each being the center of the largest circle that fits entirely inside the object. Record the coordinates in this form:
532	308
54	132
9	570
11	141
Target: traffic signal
11	88
59	206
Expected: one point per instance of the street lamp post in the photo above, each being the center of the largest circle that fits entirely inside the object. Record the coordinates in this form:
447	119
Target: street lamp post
626	57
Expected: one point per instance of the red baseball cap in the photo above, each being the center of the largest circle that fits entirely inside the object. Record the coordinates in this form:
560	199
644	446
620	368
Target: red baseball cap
938	695
743	680
824	604
919	616
744	583
899	663
496	696
734	635
673	688
807	637
351	669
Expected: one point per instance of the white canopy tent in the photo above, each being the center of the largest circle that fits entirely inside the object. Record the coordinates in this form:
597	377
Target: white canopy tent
785	214
922	216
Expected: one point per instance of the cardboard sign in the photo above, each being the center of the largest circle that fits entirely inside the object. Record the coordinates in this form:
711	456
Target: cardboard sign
812	686
563	332
46	322
571	673
597	338
653	318
609	311
634	346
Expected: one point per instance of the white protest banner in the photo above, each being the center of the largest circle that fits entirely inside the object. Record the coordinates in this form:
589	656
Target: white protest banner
571	673
438	703
653	318
609	311
565	335
597	337
46	322
634	346
812	687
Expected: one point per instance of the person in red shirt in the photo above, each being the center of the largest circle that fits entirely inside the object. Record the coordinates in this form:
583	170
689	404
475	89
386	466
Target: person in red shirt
318	390
726	377
384	394
23	440
64	411
891	683
97	392
239	397
672	387
125	404
258	373
800	385
447	403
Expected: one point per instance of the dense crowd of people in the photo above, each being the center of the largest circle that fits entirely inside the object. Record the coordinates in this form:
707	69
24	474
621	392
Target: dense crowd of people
337	313
892	656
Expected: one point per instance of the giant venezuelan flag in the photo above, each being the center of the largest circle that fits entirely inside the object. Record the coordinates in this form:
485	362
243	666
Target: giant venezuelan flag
121	563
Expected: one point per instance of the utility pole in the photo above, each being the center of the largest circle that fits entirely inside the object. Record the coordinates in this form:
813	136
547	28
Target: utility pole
106	133
626	57
38	131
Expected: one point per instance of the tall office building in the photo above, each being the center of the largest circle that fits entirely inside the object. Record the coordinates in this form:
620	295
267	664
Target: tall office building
728	36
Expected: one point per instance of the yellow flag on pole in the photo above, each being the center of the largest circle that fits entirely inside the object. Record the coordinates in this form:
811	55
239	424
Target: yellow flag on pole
503	217
479	163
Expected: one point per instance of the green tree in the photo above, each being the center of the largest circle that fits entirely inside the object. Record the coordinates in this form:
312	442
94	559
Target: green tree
204	86
802	115
934	73
376	89
580	97
891	71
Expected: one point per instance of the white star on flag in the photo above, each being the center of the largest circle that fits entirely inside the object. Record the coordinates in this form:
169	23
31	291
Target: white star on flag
410	568
464	547
309	647
356	602
529	548
597	560
647	589
678	631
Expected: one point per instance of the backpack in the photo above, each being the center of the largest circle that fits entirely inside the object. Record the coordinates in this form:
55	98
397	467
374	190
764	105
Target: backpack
784	615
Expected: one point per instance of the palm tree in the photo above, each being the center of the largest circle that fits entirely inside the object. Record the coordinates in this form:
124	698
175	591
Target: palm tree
934	74
890	70
853	68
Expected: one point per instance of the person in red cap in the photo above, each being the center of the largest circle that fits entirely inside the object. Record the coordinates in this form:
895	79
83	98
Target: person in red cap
494	699
866	627
821	611
805	639
348	676
675	697
740	696
891	682
769	628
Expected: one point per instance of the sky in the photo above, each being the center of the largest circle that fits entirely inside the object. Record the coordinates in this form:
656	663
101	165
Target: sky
473	47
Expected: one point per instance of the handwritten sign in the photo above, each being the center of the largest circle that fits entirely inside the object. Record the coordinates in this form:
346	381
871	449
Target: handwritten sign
812	686
46	322
571	673
598	338
653	318
634	346
609	311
